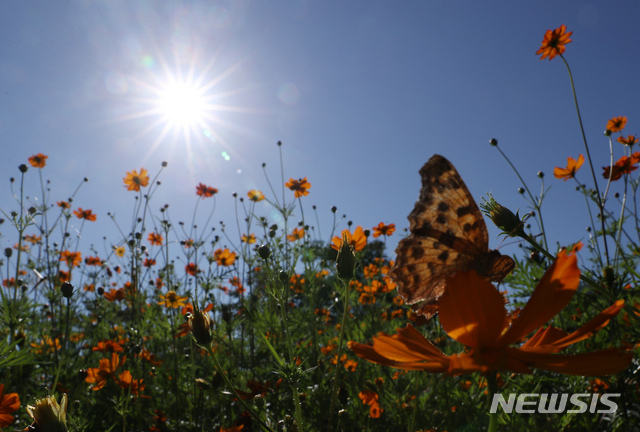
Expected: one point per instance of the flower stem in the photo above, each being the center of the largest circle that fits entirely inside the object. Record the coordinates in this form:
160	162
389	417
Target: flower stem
493	388
586	149
233	389
334	393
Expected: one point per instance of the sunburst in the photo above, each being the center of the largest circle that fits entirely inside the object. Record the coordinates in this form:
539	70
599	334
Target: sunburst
181	101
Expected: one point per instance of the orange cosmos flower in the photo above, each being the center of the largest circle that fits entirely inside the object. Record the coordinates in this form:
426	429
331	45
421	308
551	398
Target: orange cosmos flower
9	403
172	300
370	398
63	205
382	229
616	124
624	165
126	381
554	42
72	259
224	257
114	294
204	191
155	239
299	187
108	346
149	262
250	239
133	181
296	234
628	141
38	161
32	238
357	240
192	269
85	214
472	312
570	171
98	376
93	261
255	195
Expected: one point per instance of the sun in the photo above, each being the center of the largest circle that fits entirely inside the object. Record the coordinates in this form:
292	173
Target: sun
182	104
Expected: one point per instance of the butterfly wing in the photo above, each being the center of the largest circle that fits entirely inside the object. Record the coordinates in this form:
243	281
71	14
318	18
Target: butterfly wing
447	235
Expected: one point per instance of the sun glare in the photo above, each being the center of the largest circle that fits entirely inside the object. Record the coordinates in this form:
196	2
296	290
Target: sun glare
182	104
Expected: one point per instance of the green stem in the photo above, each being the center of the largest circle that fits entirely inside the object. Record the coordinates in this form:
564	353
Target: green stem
493	388
233	389
586	279
337	375
586	149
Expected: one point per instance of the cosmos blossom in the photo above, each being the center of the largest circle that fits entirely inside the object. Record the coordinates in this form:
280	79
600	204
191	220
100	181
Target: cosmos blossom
570	171
472	312
38	161
134	181
358	239
299	187
554	42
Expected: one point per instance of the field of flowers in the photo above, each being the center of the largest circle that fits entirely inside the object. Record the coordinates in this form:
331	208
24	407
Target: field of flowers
182	328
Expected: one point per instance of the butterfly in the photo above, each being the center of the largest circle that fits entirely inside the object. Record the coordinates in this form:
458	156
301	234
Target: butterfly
447	235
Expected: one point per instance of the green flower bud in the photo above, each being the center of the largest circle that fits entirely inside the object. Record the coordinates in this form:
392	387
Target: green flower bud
503	218
200	325
346	260
48	415
264	252
67	289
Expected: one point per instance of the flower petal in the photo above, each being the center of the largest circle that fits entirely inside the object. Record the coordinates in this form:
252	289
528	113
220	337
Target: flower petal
406	350
553	293
587	330
605	362
472	310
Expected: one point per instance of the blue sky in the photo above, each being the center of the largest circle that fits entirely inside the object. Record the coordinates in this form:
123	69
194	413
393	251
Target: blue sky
361	93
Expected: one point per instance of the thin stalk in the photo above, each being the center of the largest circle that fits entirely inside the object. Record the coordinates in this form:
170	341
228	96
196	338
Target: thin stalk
586	149
340	343
224	376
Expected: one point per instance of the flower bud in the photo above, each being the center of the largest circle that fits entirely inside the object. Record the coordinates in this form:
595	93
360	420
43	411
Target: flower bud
67	290
264	252
503	218
346	260
283	276
48	415
23	168
200	325
493	142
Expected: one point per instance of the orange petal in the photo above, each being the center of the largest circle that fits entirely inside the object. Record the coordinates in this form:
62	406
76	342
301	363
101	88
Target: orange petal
544	338
472	310
472	361
605	362
553	293
407	346
587	330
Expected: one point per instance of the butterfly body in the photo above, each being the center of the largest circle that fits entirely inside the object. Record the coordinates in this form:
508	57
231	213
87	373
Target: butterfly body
447	235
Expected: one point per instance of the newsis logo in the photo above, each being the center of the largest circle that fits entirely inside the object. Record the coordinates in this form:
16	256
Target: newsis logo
555	403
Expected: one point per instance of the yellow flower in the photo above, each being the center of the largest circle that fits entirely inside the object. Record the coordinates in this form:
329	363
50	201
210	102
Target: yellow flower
172	300
133	181
255	195
224	257
118	250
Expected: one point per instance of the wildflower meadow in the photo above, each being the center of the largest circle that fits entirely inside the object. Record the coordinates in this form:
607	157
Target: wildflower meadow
253	325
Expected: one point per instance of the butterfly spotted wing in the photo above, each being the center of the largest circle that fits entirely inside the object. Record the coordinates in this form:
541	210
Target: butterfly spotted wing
447	235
